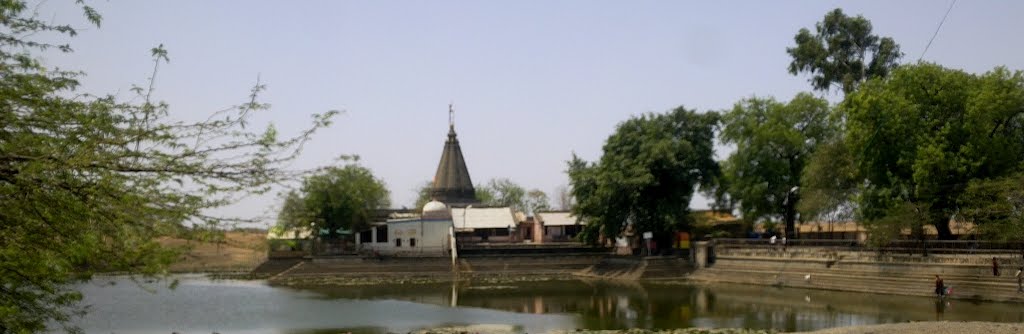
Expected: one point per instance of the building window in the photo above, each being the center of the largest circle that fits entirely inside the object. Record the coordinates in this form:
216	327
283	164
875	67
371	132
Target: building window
412	242
382	233
366	237
398	242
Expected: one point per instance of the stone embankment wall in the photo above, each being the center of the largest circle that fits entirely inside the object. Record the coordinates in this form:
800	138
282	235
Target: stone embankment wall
361	271
970	274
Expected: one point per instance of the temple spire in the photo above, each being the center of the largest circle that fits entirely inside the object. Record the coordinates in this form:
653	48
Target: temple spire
452	184
451	115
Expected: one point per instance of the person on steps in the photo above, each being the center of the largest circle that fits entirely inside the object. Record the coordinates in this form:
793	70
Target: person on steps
940	288
1020	279
995	267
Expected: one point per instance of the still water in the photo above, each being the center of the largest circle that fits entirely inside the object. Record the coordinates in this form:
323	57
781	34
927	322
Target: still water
201	305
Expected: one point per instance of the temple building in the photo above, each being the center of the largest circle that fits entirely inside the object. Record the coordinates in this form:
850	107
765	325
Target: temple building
454	216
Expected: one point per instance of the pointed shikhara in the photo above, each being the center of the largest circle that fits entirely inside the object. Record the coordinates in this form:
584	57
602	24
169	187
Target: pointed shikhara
88	182
452	184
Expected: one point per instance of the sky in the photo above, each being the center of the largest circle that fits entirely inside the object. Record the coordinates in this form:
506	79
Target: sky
532	82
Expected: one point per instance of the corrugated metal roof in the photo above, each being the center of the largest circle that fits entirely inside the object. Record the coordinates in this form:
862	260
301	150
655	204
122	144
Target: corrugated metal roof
556	218
475	218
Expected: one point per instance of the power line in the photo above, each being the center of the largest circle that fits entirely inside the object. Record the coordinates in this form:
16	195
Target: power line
937	30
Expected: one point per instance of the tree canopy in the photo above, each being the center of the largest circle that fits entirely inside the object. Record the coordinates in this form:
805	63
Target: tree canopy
87	182
536	201
774	141
336	199
647	174
842	51
921	136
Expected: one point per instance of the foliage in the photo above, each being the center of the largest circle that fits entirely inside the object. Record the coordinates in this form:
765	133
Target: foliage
536	201
503	192
774	141
842	51
563	197
293	212
497	192
341	198
647	174
484	194
423	195
829	183
996	207
922	134
87	182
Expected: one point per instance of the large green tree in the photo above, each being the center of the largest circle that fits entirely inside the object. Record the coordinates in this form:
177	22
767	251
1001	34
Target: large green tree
843	52
996	207
87	182
919	137
647	174
774	141
343	198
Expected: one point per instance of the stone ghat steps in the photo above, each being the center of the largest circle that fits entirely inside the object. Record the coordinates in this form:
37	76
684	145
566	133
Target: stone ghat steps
628	268
964	286
364	268
956	272
274	267
535	251
534	265
906	275
468	265
666	268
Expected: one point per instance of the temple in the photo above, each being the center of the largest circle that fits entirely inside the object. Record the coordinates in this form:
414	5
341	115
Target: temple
452	184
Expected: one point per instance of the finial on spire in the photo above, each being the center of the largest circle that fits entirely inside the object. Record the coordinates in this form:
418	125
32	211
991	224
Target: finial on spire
451	114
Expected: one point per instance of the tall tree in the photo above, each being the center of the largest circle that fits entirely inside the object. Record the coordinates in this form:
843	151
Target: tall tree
647	175
830	183
773	141
843	52
563	196
88	182
506	193
485	195
996	207
536	201
343	198
293	212
924	133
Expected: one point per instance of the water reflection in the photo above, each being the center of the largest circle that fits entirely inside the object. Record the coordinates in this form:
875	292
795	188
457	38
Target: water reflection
618	305
200	305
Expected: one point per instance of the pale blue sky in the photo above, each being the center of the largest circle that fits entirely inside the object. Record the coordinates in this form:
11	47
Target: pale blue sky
532	81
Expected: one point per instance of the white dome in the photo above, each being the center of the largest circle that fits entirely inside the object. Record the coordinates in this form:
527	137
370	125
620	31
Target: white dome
435	206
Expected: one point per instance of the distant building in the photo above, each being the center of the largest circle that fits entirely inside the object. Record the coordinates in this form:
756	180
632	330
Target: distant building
475	225
427	235
558	226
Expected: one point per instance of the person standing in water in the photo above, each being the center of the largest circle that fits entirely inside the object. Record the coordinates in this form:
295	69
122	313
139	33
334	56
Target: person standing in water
940	287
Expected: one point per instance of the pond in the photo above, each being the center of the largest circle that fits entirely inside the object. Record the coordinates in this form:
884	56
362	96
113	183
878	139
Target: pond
201	305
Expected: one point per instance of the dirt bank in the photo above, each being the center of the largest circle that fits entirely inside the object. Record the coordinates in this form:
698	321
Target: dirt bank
240	251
